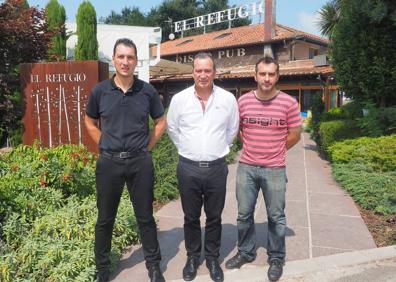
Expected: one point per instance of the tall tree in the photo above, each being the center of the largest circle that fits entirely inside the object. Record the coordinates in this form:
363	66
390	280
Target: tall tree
23	39
55	18
363	49
87	43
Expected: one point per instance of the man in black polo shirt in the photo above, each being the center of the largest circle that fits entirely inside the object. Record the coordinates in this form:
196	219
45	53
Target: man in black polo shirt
117	119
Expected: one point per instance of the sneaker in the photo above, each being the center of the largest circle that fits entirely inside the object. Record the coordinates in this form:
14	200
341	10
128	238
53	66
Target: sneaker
236	261
275	269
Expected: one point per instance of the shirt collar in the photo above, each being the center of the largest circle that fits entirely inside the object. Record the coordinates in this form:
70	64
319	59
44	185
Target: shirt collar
136	86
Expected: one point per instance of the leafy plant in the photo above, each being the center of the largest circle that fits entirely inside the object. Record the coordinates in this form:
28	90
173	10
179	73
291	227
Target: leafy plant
337	130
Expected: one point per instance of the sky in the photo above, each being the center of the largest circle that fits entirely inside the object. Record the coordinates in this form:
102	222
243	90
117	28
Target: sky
299	14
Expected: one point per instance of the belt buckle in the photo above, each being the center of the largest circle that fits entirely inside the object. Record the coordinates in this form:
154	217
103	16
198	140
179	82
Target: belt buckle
123	155
203	164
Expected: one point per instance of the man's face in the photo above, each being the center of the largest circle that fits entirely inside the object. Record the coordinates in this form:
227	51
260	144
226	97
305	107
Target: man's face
204	73
266	77
124	60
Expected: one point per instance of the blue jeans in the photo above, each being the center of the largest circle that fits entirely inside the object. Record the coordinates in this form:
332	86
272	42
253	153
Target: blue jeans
272	181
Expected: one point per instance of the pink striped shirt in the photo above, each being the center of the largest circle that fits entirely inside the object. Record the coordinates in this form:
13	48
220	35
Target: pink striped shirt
264	126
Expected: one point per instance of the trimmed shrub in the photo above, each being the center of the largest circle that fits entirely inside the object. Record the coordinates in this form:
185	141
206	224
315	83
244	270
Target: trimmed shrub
379	154
337	130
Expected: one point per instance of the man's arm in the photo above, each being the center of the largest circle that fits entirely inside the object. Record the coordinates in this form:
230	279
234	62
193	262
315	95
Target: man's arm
158	130
293	136
92	126
233	123
173	122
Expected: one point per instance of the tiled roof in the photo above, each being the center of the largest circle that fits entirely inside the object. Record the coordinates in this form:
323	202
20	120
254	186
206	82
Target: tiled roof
293	68
238	36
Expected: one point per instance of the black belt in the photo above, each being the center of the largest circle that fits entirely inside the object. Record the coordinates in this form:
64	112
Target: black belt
202	163
121	155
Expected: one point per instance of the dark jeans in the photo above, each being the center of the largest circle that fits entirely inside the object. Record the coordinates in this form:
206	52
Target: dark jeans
111	175
202	186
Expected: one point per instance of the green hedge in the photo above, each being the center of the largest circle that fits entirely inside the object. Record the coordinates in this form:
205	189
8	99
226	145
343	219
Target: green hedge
379	154
366	168
337	130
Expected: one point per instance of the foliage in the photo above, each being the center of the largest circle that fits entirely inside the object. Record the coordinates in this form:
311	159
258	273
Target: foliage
23	39
165	158
337	130
171	11
59	245
35	180
329	16
48	211
366	168
378	154
378	121
55	18
371	189
317	109
362	48
235	148
87	43
128	16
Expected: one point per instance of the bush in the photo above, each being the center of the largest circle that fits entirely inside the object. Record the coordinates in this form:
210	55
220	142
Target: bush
379	154
165	158
337	130
48	211
373	190
378	122
366	168
59	246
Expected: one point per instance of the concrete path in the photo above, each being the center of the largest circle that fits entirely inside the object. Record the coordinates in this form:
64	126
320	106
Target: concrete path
322	220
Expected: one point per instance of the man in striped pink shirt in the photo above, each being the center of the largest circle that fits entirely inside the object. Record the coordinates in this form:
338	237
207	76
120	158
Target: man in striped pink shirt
270	124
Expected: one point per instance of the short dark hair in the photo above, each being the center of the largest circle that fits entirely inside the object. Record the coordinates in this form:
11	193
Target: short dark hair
125	41
267	60
204	55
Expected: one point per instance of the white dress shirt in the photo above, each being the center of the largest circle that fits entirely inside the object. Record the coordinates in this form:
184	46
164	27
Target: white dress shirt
203	135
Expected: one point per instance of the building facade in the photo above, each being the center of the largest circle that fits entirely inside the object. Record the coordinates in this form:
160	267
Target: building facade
304	68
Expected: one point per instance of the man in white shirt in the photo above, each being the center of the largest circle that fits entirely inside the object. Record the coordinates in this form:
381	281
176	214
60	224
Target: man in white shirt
202	122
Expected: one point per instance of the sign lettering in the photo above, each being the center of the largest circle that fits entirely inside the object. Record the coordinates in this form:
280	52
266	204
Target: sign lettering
230	14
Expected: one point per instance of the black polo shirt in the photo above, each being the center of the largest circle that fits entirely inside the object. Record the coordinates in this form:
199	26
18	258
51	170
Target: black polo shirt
124	117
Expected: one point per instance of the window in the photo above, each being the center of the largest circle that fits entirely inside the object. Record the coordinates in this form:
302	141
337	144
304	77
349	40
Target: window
184	42
222	35
313	52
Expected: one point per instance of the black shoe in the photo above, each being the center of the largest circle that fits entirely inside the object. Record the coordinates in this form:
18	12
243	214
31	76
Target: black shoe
275	269
155	274
236	261
103	276
190	269
215	271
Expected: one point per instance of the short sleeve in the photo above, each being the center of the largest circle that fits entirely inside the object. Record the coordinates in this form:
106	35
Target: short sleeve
156	107
92	109
293	115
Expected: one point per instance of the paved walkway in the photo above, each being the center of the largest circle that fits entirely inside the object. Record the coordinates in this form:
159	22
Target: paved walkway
322	220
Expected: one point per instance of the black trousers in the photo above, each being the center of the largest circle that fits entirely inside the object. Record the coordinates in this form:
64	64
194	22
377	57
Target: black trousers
111	175
202	186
